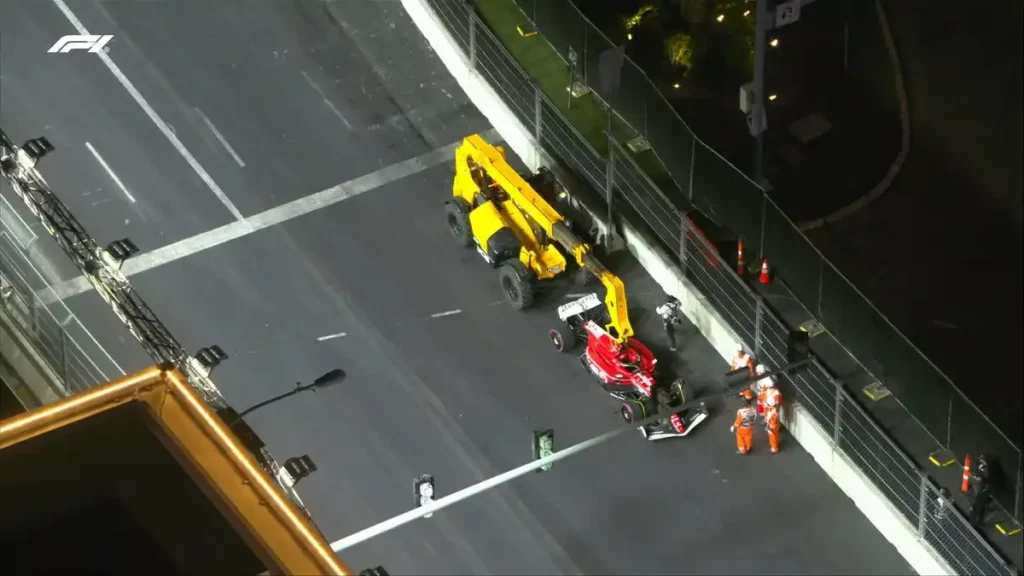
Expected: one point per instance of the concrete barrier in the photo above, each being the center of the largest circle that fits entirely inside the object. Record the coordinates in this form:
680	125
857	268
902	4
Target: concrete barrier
798	421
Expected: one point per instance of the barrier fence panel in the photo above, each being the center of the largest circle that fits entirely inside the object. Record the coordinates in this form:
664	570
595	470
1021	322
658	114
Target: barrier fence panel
726	194
728	197
709	182
45	330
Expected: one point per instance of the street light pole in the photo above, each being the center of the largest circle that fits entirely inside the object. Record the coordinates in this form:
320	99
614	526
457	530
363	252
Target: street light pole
758	117
329	379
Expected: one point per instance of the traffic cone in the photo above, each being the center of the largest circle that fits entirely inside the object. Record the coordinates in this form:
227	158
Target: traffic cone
765	277
740	264
965	484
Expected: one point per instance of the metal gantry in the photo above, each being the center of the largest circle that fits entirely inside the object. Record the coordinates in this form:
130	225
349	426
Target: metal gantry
102	267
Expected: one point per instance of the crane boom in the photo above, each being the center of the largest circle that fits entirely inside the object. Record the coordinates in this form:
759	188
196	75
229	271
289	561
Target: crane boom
477	158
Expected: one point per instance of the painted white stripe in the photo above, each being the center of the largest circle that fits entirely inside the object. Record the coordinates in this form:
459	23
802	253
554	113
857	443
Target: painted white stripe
327	101
575	295
220	138
448	313
277	215
110	172
164	128
332	336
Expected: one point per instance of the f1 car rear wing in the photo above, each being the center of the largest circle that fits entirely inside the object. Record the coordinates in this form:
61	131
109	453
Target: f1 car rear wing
578	307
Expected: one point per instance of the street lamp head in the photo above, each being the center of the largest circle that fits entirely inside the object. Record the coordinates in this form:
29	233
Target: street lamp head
331	378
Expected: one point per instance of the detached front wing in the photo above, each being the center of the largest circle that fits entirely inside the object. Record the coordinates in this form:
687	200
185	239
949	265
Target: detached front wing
691	420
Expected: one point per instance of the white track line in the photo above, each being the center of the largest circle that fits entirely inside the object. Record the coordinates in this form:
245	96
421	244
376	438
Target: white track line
327	101
220	138
271	217
164	128
110	172
448	313
332	336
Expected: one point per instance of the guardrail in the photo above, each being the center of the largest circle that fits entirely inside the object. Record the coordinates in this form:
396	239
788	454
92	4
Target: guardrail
852	429
708	182
48	328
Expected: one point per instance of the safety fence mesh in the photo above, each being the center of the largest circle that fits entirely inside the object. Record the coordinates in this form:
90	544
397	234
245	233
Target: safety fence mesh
703	179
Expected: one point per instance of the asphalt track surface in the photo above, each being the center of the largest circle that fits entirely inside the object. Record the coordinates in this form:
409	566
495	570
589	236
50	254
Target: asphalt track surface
453	395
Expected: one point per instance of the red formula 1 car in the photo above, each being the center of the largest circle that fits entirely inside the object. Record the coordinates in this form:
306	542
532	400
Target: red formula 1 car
627	371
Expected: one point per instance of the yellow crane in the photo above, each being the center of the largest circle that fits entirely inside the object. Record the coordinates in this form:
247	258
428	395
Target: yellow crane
517	231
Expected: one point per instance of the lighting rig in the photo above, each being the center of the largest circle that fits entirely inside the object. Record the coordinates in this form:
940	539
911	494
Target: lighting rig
102	267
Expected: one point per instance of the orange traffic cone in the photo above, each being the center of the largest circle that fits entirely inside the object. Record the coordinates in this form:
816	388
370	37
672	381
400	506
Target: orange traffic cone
965	484
765	277
739	259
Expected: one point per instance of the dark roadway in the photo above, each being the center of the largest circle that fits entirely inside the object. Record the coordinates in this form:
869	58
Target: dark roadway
454	396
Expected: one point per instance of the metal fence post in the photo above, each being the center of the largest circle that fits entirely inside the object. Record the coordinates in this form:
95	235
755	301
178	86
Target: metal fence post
693	167
758	320
64	357
837	428
764	214
35	315
609	184
682	241
922	505
538	107
1020	486
949	422
472	35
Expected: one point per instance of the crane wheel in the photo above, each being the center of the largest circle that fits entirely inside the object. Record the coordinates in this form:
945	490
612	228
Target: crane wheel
515	283
563	340
456	213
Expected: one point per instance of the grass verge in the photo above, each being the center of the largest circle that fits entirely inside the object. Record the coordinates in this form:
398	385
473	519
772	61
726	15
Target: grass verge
588	114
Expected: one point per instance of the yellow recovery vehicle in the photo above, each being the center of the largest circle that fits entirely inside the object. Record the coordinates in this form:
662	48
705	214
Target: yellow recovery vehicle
514	227
517	231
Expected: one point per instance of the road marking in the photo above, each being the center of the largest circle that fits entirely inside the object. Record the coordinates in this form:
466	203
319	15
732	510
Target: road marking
110	172
271	217
576	295
327	100
448	313
164	128
332	336
220	137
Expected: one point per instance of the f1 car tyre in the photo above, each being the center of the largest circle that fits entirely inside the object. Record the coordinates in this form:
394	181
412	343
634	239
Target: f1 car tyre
684	391
633	411
515	283
564	340
456	213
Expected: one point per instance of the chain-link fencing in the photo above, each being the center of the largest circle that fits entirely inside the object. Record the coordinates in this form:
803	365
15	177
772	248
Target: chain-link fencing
706	181
713	185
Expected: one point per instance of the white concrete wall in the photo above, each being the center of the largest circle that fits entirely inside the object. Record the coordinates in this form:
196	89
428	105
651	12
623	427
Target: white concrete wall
799	422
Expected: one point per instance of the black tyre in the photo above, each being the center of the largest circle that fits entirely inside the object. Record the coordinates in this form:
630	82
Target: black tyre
633	411
563	339
683	391
456	212
516	285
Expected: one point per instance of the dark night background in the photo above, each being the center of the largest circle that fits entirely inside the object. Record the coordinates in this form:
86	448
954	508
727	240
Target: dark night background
939	253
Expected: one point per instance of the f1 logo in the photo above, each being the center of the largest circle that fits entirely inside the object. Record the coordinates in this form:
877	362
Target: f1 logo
91	42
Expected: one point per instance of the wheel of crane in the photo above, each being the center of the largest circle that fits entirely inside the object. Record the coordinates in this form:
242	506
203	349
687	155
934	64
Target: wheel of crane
516	285
456	213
